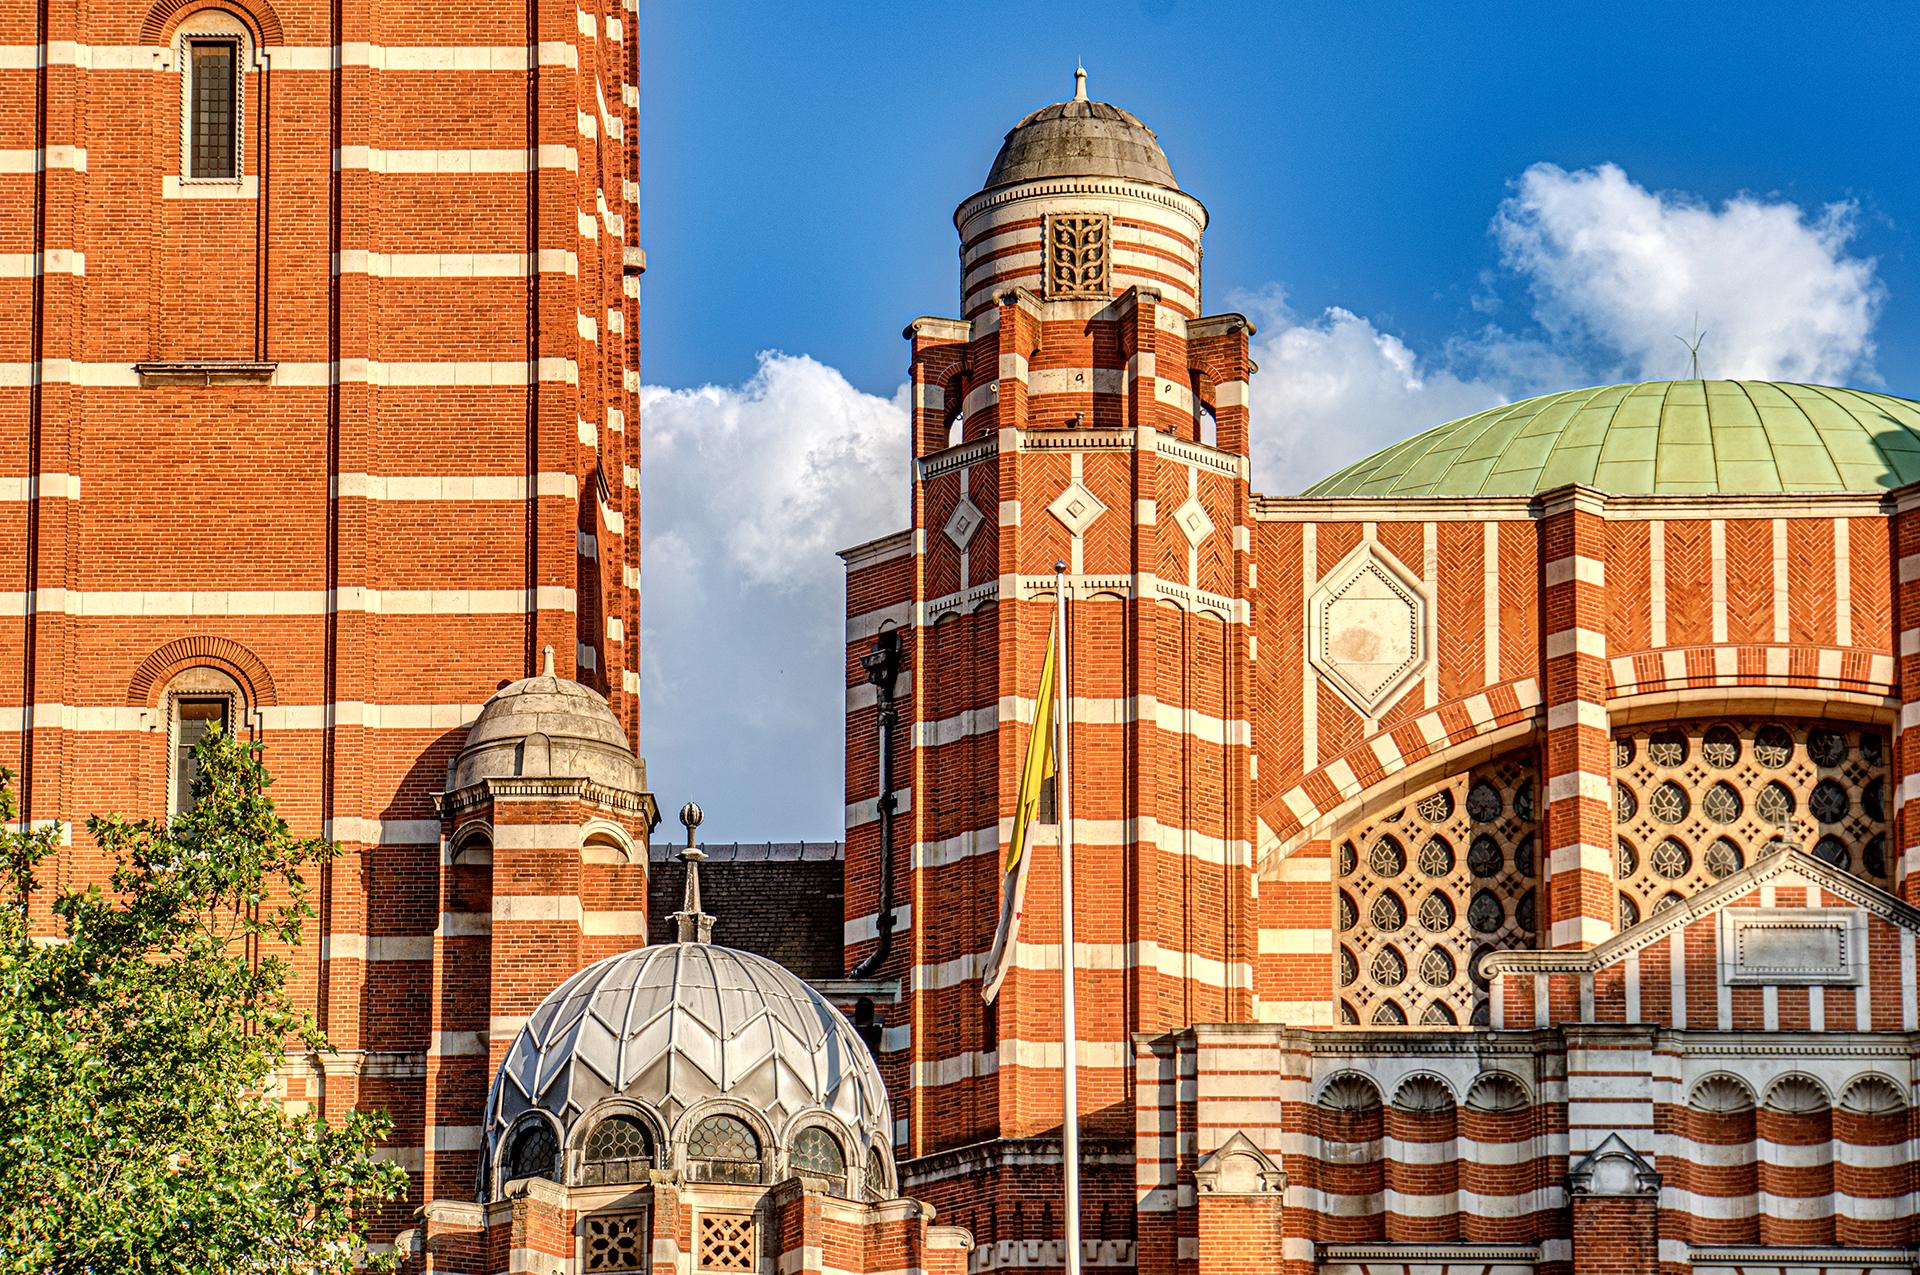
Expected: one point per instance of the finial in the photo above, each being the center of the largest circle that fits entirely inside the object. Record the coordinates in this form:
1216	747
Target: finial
1080	84
1693	346
691	925
546	662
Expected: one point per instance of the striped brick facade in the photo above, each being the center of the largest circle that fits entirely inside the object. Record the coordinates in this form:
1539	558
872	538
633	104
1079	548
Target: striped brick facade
349	438
1415	886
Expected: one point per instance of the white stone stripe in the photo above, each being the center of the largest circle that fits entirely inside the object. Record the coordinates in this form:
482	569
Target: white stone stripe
321	57
382	832
1137	954
1657	581
1717	568
20	487
449	162
122	603
135	717
1575	567
1842	585
28	159
27	265
452	265
311	375
451	486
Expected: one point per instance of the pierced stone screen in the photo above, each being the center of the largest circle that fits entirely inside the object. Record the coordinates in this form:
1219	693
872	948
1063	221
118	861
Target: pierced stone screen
1077	254
1696	801
616	1242
1424	890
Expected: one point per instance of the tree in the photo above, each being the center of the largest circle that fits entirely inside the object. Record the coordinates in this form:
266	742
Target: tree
140	1035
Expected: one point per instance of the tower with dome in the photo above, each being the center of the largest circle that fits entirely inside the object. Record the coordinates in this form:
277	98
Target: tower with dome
1498	857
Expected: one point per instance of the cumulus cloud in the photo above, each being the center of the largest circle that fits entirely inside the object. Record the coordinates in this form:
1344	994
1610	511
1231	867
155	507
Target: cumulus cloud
1612	264
1333	388
748	491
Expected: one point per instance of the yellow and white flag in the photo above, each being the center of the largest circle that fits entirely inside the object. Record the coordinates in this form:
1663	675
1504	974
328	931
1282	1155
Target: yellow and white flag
1033	777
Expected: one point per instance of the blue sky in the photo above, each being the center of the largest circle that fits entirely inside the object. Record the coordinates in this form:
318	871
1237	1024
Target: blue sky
1427	209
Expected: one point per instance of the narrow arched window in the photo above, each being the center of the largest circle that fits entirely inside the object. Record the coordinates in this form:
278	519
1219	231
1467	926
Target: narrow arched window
197	701
876	1175
533	1153
620	1149
723	1149
817	1153
214	50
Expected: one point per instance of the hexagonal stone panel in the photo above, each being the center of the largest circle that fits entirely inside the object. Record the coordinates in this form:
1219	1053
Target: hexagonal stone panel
1368	628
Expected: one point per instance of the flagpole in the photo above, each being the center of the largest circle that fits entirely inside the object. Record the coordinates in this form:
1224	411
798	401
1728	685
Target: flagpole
1063	769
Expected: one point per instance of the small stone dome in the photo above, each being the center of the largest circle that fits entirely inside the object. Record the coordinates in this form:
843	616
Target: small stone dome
548	726
675	1033
1081	138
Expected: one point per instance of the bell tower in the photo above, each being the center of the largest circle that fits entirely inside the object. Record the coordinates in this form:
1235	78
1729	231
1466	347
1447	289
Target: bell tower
1083	409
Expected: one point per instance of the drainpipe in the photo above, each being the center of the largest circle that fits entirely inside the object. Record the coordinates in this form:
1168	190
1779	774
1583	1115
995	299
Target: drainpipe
882	664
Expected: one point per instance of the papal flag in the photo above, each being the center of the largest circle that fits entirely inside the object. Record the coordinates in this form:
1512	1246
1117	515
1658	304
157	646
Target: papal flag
1033	777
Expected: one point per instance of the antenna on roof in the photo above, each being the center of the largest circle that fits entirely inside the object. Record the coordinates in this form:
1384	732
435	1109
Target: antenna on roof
1693	346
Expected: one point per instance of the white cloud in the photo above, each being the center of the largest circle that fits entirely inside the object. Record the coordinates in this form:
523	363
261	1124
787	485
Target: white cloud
748	491
1335	388
1626	269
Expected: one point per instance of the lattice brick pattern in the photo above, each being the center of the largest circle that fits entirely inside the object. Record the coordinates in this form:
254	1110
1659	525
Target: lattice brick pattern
616	1242
1077	254
1428	888
727	1242
1695	801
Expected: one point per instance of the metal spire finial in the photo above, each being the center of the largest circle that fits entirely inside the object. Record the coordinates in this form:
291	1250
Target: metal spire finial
1693	346
691	925
1080	84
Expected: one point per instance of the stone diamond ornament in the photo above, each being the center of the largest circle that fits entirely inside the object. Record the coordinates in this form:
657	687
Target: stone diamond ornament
1368	628
963	522
1077	507
1194	521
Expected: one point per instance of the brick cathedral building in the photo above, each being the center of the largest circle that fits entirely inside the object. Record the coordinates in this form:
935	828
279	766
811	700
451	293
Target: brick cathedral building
1497	858
1492	860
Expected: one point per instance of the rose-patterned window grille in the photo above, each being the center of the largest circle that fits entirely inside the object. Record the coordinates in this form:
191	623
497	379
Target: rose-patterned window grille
615	1242
728	1242
620	1149
1078	255
1697	801
723	1149
1426	889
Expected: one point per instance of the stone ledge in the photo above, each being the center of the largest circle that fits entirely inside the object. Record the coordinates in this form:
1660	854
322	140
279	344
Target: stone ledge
205	372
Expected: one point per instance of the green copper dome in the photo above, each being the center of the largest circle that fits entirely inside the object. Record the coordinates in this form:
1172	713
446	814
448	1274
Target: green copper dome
1683	437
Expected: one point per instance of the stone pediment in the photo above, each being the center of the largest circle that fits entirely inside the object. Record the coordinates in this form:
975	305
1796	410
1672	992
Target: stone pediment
1781	944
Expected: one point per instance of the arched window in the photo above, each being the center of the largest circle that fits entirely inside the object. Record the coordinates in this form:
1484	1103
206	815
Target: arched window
197	701
533	1152
723	1149
214	51
817	1153
620	1149
876	1175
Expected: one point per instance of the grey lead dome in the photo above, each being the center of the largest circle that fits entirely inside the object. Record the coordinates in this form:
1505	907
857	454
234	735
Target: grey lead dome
683	1030
1081	138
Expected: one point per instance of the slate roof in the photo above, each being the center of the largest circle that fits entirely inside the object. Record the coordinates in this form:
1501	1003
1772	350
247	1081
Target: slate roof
780	900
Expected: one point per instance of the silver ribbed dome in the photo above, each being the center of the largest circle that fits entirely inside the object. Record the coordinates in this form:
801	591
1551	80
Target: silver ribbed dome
683	1030
548	726
1081	138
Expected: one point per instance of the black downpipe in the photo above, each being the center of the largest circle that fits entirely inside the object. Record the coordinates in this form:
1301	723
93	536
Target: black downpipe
882	664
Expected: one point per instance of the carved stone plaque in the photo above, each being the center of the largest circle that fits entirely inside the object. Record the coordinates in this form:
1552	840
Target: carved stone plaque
1368	628
1793	946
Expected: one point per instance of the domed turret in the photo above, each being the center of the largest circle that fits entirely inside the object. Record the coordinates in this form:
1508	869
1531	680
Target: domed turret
1081	138
1079	206
718	1062
548	725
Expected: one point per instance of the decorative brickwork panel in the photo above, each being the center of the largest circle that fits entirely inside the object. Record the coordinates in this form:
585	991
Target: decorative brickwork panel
1696	801
1427	889
1079	257
616	1242
728	1242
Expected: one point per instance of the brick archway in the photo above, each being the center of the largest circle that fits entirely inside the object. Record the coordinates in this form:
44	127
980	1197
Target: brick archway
165	14
225	654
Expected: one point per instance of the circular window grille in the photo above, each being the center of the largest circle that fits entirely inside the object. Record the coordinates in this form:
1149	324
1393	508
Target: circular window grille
1387	859
1625	861
1435	807
1670	860
1389	913
1720	747
1828	748
1436	913
1722	803
1667	749
1772	746
1669	803
1829	802
1436	858
1724	859
1389	968
1483	802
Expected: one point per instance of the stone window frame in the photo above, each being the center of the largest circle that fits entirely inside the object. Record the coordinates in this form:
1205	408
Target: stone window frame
201	682
838	1183
212	25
